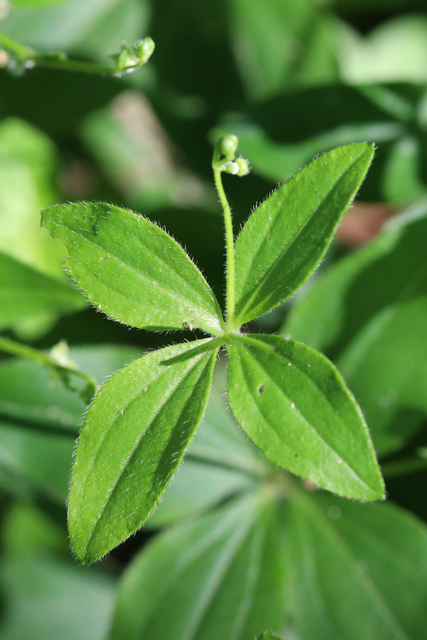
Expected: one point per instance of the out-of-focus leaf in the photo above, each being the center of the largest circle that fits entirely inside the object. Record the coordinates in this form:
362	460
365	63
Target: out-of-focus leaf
35	461
133	270
282	133
132	147
287	235
25	293
32	394
27	163
48	599
386	368
84	25
28	530
221	576
293	404
395	51
279	43
159	402
370	312
389	271
269	635
357	571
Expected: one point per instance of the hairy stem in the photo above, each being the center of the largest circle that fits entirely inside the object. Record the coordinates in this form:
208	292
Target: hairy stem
229	243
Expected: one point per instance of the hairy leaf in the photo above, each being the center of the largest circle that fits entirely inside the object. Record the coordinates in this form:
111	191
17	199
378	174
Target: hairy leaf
293	404
133	270
221	576
287	235
133	439
357	571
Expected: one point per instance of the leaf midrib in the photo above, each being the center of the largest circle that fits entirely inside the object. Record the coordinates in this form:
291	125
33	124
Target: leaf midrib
312	427
241	313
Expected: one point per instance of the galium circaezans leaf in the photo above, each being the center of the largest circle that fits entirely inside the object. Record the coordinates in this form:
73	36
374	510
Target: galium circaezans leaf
134	436
288	234
294	406
131	269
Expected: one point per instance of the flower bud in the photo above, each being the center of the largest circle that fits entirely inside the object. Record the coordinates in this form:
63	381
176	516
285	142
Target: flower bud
232	167
228	146
243	167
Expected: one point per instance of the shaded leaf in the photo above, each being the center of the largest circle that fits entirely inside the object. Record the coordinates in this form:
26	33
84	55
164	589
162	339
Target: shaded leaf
33	395
358	571
49	599
288	234
129	448
131	269
25	292
221	576
293	404
269	635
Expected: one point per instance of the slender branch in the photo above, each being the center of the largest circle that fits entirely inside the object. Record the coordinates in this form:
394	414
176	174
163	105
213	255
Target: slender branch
229	243
43	359
126	61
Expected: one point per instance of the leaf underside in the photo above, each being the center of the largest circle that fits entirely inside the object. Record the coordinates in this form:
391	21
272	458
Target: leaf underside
131	269
133	439
294	406
287	235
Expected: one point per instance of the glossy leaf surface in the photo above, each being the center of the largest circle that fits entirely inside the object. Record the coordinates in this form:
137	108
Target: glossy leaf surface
222	576
131	269
287	235
25	292
129	448
293	404
358	571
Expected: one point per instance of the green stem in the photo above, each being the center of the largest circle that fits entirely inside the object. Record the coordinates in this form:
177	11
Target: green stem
229	243
23	351
19	50
127	60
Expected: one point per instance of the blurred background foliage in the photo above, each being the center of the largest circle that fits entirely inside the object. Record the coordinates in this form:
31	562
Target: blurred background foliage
291	78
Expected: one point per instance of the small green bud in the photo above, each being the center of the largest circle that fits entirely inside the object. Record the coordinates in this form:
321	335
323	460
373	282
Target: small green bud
243	167
144	49
232	167
228	146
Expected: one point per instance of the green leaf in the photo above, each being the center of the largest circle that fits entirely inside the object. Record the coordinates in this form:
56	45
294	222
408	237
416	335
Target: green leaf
277	42
33	395
134	436
360	311
269	635
288	234
49	598
357	571
133	270
221	576
294	406
386	368
24	292
220	463
389	271
33	461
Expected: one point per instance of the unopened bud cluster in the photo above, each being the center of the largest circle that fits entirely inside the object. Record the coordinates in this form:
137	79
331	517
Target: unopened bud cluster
225	157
